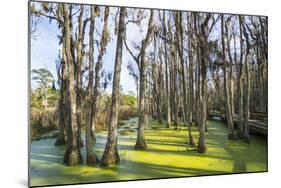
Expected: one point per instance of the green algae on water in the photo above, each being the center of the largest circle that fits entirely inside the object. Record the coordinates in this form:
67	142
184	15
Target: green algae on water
168	155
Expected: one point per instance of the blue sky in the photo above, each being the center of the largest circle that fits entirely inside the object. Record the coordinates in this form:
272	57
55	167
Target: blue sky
45	49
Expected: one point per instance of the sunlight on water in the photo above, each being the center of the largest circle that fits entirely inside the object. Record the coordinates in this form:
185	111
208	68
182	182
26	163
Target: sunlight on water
167	156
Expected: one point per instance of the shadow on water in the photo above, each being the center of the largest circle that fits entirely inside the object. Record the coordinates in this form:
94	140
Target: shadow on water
168	155
162	170
241	153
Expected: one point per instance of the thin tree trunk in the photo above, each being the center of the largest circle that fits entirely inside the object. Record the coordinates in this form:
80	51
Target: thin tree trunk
198	71
168	104
231	133
247	86
140	143
103	43
203	74
240	85
91	156
79	60
110	155
175	87
178	21
61	139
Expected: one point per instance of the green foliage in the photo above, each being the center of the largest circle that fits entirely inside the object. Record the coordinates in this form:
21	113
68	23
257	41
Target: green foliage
43	77
37	98
129	100
44	92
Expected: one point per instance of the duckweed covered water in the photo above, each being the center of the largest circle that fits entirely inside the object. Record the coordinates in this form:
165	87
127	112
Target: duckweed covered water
167	155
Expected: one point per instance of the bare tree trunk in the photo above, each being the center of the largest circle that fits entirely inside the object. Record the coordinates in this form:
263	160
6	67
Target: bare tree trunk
158	77
168	104
103	43
159	94
190	60
240	84
231	132
231	87
175	87
247	85
79	60
110	155
91	156
198	71
246	106
72	154
178	22
140	143
203	93
61	139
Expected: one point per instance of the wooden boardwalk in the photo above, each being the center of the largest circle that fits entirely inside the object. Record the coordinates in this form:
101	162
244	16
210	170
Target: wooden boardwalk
258	121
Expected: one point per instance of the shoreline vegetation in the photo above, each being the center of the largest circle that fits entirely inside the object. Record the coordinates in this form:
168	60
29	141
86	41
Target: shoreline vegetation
188	69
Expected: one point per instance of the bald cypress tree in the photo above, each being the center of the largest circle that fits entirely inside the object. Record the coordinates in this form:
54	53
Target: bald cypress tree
110	155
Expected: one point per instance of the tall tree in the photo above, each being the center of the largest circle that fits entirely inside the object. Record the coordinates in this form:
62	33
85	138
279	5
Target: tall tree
191	67
180	39
61	139
78	68
140	143
110	155
203	46
227	94
91	156
72	154
240	83
44	78
103	43
167	82
246	107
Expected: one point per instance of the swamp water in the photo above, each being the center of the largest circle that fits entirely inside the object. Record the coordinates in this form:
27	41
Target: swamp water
167	155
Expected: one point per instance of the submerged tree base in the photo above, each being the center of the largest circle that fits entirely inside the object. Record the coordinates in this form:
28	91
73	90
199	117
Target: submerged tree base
168	156
60	141
232	136
168	125
109	158
140	145
92	160
202	149
72	158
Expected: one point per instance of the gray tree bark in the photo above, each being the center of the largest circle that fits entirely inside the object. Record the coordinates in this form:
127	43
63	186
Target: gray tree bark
103	43
72	154
203	45
246	107
140	143
167	82
231	132
178	22
240	84
110	155
91	156
61	139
